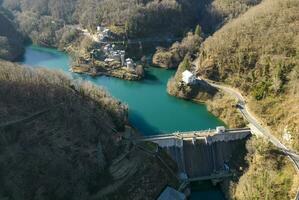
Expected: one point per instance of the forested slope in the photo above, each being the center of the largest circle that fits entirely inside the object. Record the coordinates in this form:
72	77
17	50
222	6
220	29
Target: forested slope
258	53
43	21
11	40
62	139
212	15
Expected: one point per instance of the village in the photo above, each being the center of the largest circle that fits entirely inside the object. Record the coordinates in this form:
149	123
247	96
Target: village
108	59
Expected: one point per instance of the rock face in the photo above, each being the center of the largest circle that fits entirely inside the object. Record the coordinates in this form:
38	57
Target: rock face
11	41
61	139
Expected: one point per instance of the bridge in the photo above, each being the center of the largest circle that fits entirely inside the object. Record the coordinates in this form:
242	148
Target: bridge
201	155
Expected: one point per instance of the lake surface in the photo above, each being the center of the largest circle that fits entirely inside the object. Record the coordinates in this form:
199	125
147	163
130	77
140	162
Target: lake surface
151	109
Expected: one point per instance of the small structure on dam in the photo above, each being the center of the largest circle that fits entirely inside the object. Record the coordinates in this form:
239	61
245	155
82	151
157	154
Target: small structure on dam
202	155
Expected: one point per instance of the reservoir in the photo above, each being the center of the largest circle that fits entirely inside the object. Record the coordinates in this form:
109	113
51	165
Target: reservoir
151	109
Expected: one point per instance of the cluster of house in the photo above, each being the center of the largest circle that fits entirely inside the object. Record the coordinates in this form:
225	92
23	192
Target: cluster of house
118	55
111	54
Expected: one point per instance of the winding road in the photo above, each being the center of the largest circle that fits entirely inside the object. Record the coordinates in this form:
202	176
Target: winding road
96	39
243	108
255	124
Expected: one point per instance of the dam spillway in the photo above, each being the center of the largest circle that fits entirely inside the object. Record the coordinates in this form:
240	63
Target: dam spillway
204	153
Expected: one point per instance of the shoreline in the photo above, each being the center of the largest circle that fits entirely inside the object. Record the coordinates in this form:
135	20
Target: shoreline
289	159
164	87
120	73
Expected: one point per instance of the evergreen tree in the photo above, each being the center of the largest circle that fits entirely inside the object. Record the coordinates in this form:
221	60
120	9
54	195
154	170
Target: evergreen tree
186	63
197	30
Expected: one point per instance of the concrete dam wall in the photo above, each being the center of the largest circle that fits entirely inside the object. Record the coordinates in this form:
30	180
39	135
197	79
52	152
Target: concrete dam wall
199	155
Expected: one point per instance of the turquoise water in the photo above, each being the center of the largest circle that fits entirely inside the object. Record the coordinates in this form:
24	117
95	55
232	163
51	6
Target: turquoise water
151	109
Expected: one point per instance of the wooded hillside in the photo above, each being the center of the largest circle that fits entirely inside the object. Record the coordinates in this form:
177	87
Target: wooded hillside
259	54
61	139
43	20
11	40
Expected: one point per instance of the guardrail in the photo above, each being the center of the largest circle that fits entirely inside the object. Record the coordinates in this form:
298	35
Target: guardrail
189	134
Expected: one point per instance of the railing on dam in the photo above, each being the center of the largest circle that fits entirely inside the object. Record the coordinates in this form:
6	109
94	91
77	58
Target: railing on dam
210	135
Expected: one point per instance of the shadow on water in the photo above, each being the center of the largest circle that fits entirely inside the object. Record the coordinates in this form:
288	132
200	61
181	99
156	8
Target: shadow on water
153	76
51	57
141	124
149	76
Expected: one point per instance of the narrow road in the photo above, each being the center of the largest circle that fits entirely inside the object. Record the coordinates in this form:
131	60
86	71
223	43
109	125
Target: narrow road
95	38
242	107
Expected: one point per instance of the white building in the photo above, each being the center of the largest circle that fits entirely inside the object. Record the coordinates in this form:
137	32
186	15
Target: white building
188	77
220	129
107	48
106	32
122	58
103	33
130	63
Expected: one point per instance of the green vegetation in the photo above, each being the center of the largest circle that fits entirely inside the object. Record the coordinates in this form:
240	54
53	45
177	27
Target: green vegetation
11	41
198	31
270	175
186	64
260	90
62	139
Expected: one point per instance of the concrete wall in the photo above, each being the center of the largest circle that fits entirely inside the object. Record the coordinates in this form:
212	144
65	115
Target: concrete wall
202	159
204	155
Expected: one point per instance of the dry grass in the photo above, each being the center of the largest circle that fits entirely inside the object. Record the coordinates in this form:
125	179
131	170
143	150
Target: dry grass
270	175
259	55
224	107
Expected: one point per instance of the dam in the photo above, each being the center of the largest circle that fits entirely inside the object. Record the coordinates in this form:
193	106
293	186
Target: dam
151	109
202	155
